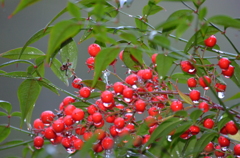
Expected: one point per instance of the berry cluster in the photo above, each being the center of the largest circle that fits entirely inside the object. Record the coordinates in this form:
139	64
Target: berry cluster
112	116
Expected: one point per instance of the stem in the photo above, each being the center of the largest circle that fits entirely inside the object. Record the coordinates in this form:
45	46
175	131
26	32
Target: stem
16	128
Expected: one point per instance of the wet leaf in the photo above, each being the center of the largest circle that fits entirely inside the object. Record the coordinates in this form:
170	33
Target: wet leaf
129	37
202	13
3	113
128	59
82	105
48	84
4	132
6	106
142	129
140	24
12	142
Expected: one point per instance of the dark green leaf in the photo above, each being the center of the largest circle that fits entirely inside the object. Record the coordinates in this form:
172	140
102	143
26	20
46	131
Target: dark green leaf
189	146
28	93
129	60
46	83
164	64
235	96
161	41
37	153
69	53
142	129
55	66
4	132
3	113
181	113
62	31
6	106
15	62
82	105
28	54
137	54
12	142
151	9
225	21
223	122
202	13
23	4
94	95
17	114
87	146
86	35
182	27
74	10
102	61
99	84
196	114
180	77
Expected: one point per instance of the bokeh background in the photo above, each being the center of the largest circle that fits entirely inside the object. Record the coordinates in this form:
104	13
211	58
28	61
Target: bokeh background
16	31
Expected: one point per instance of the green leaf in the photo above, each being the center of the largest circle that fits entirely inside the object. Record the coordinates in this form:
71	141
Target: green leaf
48	84
62	31
129	60
236	76
162	41
12	142
186	98
102	61
3	113
55	18
28	53
94	95
15	62
223	122
16	114
164	64
140	24
87	146
142	129
55	66
129	37
181	28
23	4
82	105
189	146
202	13
6	106
73	10
181	113
28	93
137	54
178	0
2	72
196	114
99	84
180	77
4	132
69	53
225	21
235	96
151	9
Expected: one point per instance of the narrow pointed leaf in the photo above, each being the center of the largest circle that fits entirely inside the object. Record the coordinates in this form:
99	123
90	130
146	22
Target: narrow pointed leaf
235	96
47	84
236	76
151	9
74	10
28	93
23	4
12	142
196	114
6	106
17	114
225	21
164	64
128	60
64	10
4	132
3	113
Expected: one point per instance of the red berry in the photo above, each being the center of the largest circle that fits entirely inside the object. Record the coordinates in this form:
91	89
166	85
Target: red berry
107	143
210	41
113	131
231	128
109	118
68	100
146	138
176	106
78	144
203	82
236	149
194	95
224	130
68	120
100	133
47	117
121	55
38	124
78	114
128	93
107	97
228	72
38	142
208	123
94	49
194	129
223	141
80	130
49	133
220	87
97	117
97	148
209	147
224	63
118	87
69	109
66	142
150	121
57	139
58	126
186	134
91	109
218	152
87	135
154	57
153	111
140	106
131	127
192	82
137	141
76	83
187	67
119	123
85	92
147	74
90	63
152	128
131	79
203	106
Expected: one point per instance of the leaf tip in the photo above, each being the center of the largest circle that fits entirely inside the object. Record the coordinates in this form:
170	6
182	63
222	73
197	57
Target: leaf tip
10	16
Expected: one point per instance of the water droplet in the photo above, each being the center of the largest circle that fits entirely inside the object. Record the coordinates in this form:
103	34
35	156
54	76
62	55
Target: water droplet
107	104
148	147
128	155
129	71
97	124
169	138
127	100
139	112
38	147
134	86
130	15
227	76
47	124
70	150
191	70
206	88
190	89
152	34
195	101
224	148
221	95
119	130
77	122
119	99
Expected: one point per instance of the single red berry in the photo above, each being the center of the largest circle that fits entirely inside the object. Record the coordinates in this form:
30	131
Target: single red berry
100	133
236	149
66	142
220	87
109	118
97	117
94	49
119	122
187	67
224	63
231	128
208	123
204	81
68	120
194	95
57	139
159	99
78	114
128	93
38	142
228	72
113	131
210	41
76	83
91	109
154	58
224	130
121	55
118	87
186	134
176	106
153	111
85	92
107	97
69	109
107	143
47	117
218	152
90	62
97	148
68	100
209	147
147	74
87	135
137	141
38	124
223	141
146	138
140	106
113	62
78	144
58	126
49	133
131	79
203	106
131	127
152	128
192	82
194	129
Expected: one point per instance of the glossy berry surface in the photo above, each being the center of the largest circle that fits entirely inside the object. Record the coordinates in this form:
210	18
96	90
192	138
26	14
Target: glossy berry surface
176	106
192	82
90	62
209	147
194	95
236	149
154	58
204	81
94	49
220	87
203	106
38	142
224	63
223	141
140	106
107	97
229	71
78	114
85	92
131	79
119	122
107	143
231	128
76	83
187	67
210	41
208	123
47	117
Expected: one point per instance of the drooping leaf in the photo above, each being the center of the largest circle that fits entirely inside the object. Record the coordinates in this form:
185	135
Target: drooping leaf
202	13
225	21
69	53
48	84
180	77
15	62
6	106
17	114
102	61
74	10
28	54
55	67
164	64
4	132
28	93
61	31
196	114
128	59
99	84
186	98
23	4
